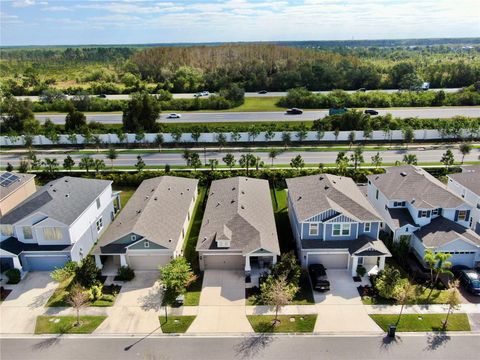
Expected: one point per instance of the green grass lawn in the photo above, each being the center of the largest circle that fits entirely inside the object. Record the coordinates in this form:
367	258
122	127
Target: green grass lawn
425	322
176	324
125	195
65	324
192	296
302	323
284	231
259	104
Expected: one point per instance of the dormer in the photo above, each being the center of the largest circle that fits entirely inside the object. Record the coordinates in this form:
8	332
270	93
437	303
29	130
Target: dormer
223	239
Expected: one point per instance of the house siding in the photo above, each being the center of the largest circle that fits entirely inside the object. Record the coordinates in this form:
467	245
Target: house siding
306	231
352	236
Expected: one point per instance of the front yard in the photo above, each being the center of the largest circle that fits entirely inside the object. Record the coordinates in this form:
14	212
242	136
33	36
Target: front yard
175	324
423	322
66	324
288	323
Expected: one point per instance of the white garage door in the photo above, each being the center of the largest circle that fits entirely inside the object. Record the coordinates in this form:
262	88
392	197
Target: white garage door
330	261
229	262
147	262
462	259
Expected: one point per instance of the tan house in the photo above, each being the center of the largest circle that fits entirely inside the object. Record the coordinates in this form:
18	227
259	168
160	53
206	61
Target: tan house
14	188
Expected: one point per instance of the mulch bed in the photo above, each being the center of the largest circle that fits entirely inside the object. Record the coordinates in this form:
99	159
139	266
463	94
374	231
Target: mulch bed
111	289
357	279
4	293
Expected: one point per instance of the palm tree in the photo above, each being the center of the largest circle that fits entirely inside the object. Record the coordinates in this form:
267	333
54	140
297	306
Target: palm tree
443	265
112	155
430	261
99	164
51	165
357	157
213	163
246	161
377	160
286	139
86	162
410	159
465	150
229	160
273	154
68	163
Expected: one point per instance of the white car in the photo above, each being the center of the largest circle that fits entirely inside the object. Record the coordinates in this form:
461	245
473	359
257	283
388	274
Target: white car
174	116
205	93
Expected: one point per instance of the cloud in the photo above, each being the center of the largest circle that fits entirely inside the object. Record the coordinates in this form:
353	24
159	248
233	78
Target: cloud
57	8
9	19
23	3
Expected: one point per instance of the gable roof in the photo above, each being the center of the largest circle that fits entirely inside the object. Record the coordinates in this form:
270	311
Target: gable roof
469	178
156	211
13	246
312	195
363	246
239	209
10	187
415	185
441	231
64	200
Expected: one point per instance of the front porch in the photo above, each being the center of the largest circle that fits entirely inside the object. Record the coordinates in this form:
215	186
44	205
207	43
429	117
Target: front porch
256	266
109	264
372	264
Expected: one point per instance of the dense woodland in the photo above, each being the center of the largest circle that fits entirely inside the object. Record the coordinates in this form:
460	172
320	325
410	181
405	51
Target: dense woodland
252	66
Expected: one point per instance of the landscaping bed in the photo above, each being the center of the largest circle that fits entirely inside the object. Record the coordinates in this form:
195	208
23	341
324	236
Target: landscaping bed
175	324
4	293
301	323
192	296
423	322
65	324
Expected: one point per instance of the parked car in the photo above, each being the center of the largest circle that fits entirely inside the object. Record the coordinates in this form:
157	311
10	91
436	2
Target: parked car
174	116
205	93
362	89
262	92
371	112
337	111
199	94
318	275
102	96
470	279
294	111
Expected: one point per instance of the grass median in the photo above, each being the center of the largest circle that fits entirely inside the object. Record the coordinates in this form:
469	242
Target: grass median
175	324
67	324
423	322
287	324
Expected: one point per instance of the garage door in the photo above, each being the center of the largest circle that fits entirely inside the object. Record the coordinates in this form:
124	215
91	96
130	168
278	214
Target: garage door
148	262
44	263
330	261
228	262
462	259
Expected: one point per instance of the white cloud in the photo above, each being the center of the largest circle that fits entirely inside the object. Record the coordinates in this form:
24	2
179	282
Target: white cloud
23	3
57	8
9	19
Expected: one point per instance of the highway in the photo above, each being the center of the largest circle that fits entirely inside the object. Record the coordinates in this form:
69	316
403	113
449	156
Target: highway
310	157
212	117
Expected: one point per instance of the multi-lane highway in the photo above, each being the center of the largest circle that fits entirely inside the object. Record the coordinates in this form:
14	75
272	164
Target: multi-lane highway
210	117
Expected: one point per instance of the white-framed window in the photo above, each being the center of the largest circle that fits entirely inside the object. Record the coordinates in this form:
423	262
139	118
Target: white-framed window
423	213
6	230
133	237
52	233
313	229
98	203
462	215
27	232
367	227
146	244
99	224
376	194
436	211
341	230
360	260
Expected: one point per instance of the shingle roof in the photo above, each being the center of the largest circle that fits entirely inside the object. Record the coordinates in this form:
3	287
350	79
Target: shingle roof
361	246
157	211
64	200
13	246
400	217
441	231
312	195
415	185
22	179
240	210
469	178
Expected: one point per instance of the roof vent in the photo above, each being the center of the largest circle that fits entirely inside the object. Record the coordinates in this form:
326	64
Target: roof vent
299	198
231	202
326	187
67	195
233	188
204	239
413	200
66	180
243	192
403	173
168	189
321	178
218	204
155	198
188	189
333	181
54	190
169	240
243	207
147	197
139	211
181	193
152	190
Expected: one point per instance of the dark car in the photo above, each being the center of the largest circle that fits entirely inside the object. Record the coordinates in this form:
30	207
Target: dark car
318	275
262	92
102	96
371	112
470	279
294	111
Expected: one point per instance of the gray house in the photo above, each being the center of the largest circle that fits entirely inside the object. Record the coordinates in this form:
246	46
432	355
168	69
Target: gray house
334	224
58	223
238	228
150	230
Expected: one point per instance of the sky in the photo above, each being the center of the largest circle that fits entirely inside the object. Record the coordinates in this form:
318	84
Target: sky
75	22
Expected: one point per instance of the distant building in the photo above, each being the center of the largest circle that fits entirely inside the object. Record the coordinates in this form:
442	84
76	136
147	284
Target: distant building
14	188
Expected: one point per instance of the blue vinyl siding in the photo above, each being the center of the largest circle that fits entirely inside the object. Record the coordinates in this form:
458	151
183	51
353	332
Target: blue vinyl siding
373	229
306	235
352	236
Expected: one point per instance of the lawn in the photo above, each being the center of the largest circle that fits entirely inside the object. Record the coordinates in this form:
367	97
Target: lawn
192	296
176	324
125	195
425	322
302	323
65	324
267	103
284	231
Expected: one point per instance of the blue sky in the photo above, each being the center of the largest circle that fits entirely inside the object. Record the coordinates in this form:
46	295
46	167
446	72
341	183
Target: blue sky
36	22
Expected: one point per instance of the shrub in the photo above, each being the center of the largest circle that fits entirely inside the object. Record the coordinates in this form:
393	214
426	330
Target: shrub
67	271
361	271
95	292
87	273
13	276
125	273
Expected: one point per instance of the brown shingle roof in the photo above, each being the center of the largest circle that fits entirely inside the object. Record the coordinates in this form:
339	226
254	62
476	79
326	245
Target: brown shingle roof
441	231
469	178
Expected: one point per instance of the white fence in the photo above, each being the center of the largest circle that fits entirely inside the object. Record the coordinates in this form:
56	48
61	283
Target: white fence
328	136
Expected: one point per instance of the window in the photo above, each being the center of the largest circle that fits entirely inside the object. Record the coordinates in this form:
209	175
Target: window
403	203
423	213
341	230
27	232
436	211
133	237
52	233
98	203
376	195
6	230
478	206
367	227
146	244
313	230
360	260
99	224
462	215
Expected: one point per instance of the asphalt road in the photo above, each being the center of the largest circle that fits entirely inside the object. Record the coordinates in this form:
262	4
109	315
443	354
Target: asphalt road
310	157
211	117
431	346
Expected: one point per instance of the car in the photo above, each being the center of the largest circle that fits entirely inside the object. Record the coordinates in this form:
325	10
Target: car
318	275
174	116
199	94
102	96
205	93
371	112
262	92
362	90
294	111
470	279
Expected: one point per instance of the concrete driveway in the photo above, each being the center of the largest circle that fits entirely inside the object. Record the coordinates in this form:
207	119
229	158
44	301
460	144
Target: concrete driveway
222	304
19	311
341	309
137	307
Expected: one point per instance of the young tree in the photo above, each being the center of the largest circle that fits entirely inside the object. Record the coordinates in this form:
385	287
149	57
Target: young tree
403	293
253	133
23	167
320	134
78	298
72	138
302	133
122	137
408	135
336	133
259	163
351	138
87	163
465	149
273	155
187	154
112	155
68	163
195	134
140	164
195	161
177	275
28	141
159	141
99	165
377	160
357	157
297	162
410	159
213	163
235	136
222	140
286	139
176	135
277	292
51	166
342	163
229	160
453	300
447	159
139	136
246	161
269	135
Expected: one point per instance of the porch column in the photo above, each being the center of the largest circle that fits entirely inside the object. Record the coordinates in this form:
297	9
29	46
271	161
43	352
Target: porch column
98	262
381	263
247	264
354	266
274	259
123	260
16	263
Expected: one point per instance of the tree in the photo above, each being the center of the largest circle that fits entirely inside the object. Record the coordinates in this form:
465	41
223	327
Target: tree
99	165
342	163
51	166
122	137
447	159
28	141
139	136
289	267
403	293
269	135
15	113
222	140
23	166
78	298
453	300
286	139
235	136
273	154
277	292
253	133
75	120
357	157
68	163
351	138
87	163
213	163
443	265
140	164
297	162
410	159
141	113
87	273
301	133
98	142
246	161
9	167
387	281
112	155
195	161
258	162
186	156
377	160
176	135
72	138
177	275
320	134
50	131
229	160
408	135
336	133
465	149
195	134
159	141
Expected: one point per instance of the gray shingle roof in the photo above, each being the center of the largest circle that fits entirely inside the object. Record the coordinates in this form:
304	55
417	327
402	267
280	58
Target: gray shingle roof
360	246
400	217
415	185
64	200
312	195
22	179
240	210
157	211
441	231
469	178
13	246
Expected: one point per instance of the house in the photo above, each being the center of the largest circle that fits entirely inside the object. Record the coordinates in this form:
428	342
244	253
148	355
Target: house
467	185
58	223
418	207
151	228
14	188
238	230
334	224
